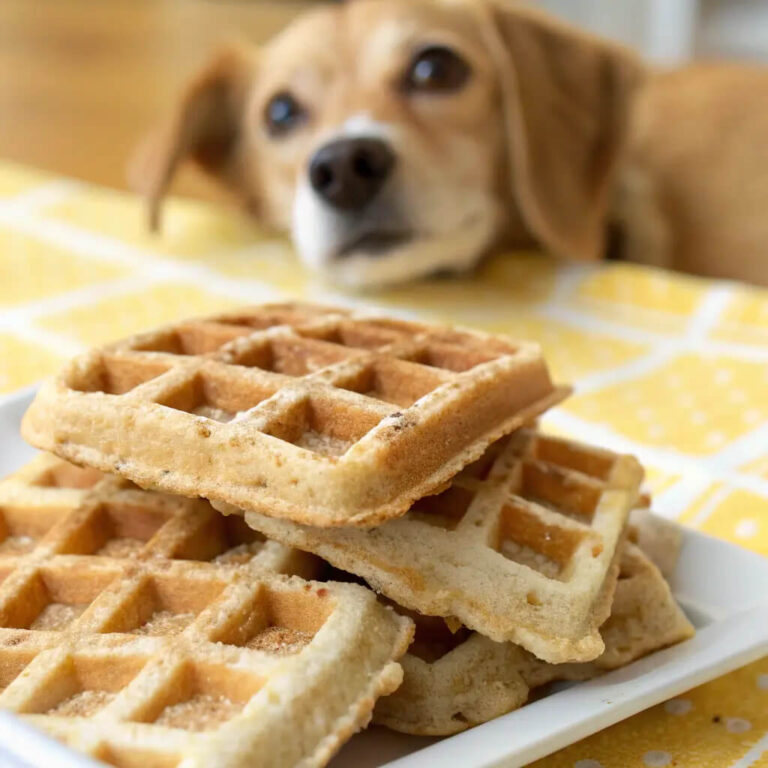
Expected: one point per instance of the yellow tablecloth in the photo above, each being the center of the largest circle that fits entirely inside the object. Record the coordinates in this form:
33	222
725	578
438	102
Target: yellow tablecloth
671	368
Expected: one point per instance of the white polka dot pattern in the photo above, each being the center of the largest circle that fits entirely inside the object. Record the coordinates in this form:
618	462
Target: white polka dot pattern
737	725
656	758
678	706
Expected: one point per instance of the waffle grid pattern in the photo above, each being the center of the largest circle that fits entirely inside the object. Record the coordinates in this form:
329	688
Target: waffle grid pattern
293	410
147	630
522	546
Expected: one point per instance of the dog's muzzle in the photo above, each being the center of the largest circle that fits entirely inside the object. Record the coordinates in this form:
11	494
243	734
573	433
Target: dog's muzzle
347	174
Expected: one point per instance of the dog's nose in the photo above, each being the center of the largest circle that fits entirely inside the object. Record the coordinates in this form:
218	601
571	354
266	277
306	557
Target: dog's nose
347	173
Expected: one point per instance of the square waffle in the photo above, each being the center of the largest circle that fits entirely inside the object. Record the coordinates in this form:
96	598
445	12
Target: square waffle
146	630
455	680
313	414
521	547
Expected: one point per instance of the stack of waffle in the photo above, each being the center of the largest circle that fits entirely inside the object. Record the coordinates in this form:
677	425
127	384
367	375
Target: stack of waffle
150	627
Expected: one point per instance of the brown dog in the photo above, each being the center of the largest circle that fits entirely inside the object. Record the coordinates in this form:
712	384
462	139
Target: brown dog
398	138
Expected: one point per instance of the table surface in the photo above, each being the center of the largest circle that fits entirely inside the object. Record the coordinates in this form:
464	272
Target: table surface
671	368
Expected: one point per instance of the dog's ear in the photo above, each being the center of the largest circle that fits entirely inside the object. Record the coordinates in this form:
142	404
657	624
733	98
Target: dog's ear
205	127
566	99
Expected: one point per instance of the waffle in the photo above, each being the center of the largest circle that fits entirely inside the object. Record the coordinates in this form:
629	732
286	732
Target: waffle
657	537
313	414
146	630
454	681
107	517
521	547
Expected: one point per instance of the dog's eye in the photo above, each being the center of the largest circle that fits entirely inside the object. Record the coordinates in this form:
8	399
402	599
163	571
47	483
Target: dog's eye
282	114
436	68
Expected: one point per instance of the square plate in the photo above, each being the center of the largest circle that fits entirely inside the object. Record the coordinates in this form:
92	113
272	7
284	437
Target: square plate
727	604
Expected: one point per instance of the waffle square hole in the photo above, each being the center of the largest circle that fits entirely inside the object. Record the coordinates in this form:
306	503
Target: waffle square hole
526	539
66	475
55	597
120	756
118	529
22	527
202	697
85	684
357	334
320	425
433	638
556	488
591	462
216	396
224	540
278	622
394	381
164	605
451	357
193	339
444	510
116	375
292	356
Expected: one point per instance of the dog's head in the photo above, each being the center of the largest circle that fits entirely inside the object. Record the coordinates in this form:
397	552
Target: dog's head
398	138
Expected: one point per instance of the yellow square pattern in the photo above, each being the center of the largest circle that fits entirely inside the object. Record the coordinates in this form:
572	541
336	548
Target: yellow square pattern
745	319
657	480
32	269
16	179
123	315
672	368
712	726
742	518
189	229
22	362
693	404
641	297
572	353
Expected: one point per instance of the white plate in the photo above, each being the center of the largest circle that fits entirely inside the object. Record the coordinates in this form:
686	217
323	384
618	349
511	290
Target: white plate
723	589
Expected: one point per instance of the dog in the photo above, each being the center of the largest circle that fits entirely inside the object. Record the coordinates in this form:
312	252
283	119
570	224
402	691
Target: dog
401	138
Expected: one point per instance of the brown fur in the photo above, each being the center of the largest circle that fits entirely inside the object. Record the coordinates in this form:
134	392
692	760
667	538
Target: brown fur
694	192
570	135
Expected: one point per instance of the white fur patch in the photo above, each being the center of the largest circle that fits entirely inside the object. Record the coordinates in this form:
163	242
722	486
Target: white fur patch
454	252
448	206
363	125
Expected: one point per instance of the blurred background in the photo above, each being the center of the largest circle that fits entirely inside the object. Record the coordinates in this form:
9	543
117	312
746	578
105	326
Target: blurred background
675	31
82	80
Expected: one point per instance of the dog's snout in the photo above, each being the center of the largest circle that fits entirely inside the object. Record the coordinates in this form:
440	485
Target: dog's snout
347	173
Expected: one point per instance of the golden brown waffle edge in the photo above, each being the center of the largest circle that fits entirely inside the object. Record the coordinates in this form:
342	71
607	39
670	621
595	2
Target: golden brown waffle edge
318	415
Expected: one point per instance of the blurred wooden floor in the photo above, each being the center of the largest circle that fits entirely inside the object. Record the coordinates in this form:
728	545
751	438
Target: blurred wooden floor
82	80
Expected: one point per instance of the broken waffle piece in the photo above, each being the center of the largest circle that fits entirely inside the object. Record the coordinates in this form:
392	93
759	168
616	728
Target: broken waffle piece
317	415
456	680
145	629
660	539
522	547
